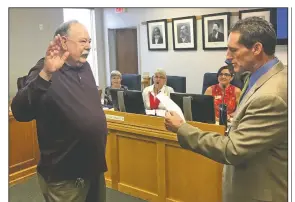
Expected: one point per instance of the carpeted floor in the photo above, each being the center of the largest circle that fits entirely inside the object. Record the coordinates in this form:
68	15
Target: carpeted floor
29	191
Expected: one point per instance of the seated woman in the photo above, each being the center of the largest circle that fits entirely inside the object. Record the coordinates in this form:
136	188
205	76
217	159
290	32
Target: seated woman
116	78
225	90
149	93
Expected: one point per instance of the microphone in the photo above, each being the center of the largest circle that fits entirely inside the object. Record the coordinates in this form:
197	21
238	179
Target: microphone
223	109
223	86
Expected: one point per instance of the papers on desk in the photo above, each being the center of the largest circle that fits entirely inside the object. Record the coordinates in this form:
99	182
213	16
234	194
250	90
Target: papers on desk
160	112
151	112
155	112
170	105
106	108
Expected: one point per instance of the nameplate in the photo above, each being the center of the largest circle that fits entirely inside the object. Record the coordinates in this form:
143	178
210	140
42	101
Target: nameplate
114	117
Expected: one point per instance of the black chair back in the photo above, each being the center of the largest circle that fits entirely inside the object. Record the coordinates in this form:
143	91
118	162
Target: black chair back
132	81
178	83
210	79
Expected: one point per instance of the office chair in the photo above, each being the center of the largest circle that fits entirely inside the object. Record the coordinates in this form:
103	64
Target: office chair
210	79
178	83
132	81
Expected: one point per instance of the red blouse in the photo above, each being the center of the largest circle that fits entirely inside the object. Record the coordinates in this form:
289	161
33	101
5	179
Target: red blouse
154	102
229	98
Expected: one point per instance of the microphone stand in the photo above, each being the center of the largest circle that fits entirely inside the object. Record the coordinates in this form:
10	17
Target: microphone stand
223	110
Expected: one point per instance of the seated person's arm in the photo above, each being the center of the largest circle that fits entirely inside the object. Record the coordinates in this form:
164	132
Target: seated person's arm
171	90
208	91
144	97
107	100
238	94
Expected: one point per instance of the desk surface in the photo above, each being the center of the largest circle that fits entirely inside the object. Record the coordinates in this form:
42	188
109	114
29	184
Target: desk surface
153	123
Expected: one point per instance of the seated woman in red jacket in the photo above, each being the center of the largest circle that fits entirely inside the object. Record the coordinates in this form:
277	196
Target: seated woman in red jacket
225	90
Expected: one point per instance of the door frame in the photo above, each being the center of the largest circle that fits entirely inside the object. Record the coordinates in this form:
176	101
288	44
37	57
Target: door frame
112	47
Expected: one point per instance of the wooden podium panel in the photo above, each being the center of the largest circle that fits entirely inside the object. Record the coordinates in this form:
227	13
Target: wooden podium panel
132	165
147	162
23	149
144	159
198	178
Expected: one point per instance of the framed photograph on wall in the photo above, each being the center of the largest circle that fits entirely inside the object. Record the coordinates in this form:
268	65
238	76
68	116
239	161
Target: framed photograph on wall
215	28
157	34
184	33
267	14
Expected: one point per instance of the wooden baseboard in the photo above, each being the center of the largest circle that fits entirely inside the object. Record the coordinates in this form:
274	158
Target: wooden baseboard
108	183
22	175
139	193
171	200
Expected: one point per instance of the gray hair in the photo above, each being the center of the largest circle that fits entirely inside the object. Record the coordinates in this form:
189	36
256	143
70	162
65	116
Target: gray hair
160	71
116	73
255	29
63	29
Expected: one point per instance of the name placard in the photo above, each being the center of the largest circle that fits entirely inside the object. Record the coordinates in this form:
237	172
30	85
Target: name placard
114	117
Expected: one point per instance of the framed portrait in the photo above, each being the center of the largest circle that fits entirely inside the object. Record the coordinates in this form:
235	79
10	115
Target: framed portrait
184	33
215	31
270	15
157	35
267	14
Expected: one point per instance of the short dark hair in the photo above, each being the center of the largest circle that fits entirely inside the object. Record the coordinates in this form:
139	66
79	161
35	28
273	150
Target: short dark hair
255	29
229	67
218	25
63	29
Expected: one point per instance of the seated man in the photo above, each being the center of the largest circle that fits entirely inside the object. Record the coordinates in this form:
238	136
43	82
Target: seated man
224	90
116	78
149	93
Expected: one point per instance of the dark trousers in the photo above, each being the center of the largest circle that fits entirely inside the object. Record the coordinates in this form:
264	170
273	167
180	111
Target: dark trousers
78	190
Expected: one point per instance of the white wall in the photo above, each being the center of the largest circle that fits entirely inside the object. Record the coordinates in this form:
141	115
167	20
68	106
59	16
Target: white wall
192	64
99	27
27	43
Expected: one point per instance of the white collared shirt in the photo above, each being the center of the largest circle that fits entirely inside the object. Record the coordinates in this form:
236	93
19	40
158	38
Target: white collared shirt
216	35
156	41
150	89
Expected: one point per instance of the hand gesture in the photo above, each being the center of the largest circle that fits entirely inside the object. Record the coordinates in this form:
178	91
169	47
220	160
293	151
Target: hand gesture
173	121
55	56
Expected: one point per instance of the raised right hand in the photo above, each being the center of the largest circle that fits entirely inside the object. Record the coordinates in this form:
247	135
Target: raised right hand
54	59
